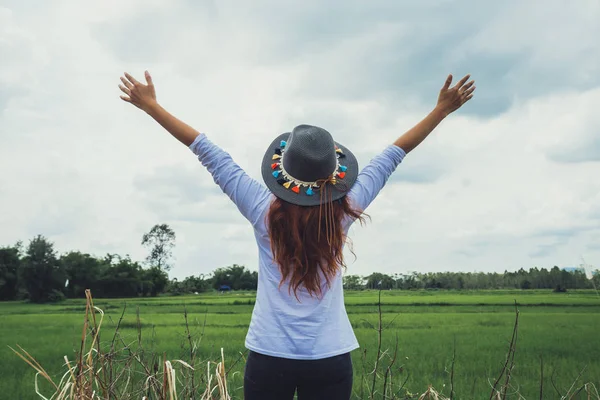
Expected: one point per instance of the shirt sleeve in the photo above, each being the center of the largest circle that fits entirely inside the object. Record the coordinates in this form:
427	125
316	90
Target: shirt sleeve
374	176
247	194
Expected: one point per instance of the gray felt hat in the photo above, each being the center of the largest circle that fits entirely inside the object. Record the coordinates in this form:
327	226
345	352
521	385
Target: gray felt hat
307	167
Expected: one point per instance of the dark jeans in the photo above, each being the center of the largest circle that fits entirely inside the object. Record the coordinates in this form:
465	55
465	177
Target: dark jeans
274	378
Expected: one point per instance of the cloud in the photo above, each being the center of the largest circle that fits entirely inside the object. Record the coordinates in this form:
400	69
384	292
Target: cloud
545	250
375	46
580	142
594	244
174	183
581	152
510	181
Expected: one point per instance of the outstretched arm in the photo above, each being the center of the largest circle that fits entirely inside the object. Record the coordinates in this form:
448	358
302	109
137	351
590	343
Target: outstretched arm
373	177
248	195
449	100
143	96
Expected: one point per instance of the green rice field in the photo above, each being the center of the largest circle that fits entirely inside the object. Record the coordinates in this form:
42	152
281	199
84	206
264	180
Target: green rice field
564	328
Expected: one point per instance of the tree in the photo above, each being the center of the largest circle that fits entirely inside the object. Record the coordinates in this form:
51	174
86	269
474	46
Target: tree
10	261
353	282
596	279
191	284
83	272
155	281
411	281
160	240
236	277
378	280
121	277
41	273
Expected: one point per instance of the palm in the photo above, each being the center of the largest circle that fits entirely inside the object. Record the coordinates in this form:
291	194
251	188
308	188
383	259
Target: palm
140	95
451	99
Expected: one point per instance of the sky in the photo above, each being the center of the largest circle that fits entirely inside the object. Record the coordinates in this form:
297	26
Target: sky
509	181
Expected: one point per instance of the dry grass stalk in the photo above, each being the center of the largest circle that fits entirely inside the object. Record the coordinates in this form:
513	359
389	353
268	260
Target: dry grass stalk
508	363
111	375
452	370
431	394
378	357
389	373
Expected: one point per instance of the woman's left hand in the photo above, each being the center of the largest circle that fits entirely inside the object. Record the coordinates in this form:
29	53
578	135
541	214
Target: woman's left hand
451	99
140	95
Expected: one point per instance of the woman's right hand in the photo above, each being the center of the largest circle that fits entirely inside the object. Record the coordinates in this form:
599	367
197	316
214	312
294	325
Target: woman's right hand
451	99
140	95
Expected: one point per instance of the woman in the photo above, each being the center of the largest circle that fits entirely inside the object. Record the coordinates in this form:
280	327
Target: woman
300	337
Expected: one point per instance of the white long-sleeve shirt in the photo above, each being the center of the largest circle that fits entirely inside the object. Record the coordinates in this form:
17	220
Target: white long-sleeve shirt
281	325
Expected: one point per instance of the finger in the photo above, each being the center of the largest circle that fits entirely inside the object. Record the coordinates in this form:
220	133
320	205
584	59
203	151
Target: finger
127	84
131	79
469	97
468	85
462	81
448	82
468	91
125	98
148	78
125	90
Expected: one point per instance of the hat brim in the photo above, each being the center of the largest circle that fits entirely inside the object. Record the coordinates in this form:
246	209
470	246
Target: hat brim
334	192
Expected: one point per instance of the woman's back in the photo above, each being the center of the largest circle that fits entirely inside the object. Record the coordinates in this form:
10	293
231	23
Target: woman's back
298	325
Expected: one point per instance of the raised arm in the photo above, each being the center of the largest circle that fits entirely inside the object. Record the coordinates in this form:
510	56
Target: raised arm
143	96
248	195
373	177
449	100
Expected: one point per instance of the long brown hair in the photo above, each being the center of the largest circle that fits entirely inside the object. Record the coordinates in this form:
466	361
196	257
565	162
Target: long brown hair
306	240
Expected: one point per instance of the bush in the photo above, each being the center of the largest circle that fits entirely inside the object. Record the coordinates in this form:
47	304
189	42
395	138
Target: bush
22	294
56	296
559	289
525	285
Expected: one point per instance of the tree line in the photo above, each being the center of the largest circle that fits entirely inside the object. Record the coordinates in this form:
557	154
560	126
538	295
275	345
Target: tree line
535	278
37	273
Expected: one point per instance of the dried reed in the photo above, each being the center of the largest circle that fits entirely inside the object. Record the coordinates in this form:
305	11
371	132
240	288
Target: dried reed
96	374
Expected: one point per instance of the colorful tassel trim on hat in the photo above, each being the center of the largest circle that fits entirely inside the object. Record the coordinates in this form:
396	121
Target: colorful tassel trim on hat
294	185
340	153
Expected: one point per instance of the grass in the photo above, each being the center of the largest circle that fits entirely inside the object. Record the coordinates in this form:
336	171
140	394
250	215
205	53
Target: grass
430	325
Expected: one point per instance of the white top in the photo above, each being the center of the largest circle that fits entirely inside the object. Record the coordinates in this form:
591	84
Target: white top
281	326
